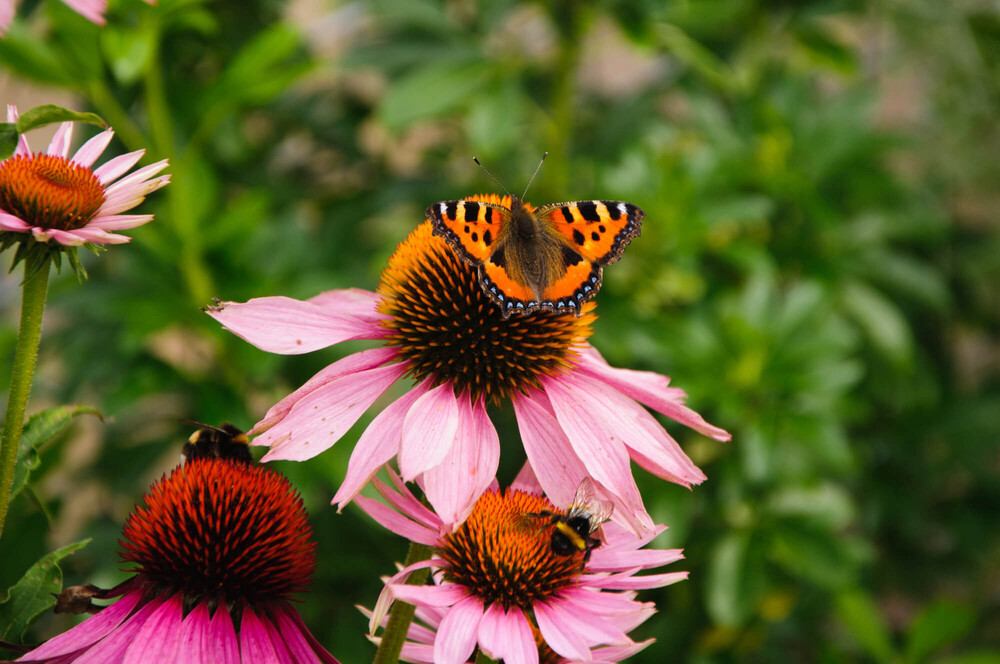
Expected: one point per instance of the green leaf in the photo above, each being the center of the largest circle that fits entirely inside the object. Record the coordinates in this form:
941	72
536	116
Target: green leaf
432	90
32	595
41	428
731	578
127	51
980	657
23	52
938	625
881	320
8	139
697	57
859	615
47	114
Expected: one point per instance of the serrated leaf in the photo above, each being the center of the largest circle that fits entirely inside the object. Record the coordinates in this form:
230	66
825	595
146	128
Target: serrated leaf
859	615
41	428
938	625
8	139
47	114
32	595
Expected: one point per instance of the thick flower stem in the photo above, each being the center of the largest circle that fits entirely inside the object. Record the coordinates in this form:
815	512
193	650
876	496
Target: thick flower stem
25	354
402	613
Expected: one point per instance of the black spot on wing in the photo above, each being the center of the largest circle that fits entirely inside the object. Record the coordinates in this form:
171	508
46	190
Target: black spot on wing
498	259
570	257
451	209
475	236
595	236
613	209
588	210
578	237
488	217
487	236
471	211
567	215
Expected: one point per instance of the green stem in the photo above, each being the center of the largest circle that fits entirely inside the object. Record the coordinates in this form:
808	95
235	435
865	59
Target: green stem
483	658
32	304
402	613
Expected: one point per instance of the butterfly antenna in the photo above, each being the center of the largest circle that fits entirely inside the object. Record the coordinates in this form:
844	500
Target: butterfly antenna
492	177
538	168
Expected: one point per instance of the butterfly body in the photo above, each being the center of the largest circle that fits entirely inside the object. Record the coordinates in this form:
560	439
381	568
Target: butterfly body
528	259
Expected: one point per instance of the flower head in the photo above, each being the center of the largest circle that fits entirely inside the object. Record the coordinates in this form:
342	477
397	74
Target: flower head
219	543
61	201
500	586
578	416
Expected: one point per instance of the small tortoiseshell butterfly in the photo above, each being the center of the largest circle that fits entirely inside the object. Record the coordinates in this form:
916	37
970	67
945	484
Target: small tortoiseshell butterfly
547	259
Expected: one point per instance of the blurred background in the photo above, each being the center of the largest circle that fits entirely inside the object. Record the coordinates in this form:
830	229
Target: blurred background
818	268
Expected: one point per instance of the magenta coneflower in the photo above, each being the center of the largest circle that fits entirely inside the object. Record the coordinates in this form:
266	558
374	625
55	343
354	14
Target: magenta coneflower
62	200
500	587
578	416
218	549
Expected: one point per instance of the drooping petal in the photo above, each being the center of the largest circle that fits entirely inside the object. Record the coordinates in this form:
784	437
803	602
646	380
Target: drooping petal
195	636
111	650
287	326
158	638
91	630
561	637
392	520
289	622
9	222
255	645
521	647
457	633
648	388
552	457
454	485
593	628
428	431
92	149
376	447
600	447
353	363
319	420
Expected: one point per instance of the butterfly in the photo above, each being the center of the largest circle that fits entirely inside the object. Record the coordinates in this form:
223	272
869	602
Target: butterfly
545	259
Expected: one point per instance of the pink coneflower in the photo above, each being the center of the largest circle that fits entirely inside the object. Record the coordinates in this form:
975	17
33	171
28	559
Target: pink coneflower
62	200
499	586
578	416
218	549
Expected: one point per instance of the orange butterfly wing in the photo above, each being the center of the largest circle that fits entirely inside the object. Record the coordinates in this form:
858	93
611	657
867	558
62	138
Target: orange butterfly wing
473	229
597	230
578	282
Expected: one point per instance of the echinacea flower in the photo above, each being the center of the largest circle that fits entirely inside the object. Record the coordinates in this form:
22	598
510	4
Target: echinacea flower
61	200
218	549
578	416
499	586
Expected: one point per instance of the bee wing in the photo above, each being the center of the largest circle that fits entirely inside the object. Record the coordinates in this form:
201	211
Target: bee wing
587	497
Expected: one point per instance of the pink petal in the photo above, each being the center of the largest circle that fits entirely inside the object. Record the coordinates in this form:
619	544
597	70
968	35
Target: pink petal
392	520
111	169
593	628
561	637
492	635
614	654
195	640
287	326
377	446
319	420
112	649
446	595
405	502
644	559
65	238
91	630
119	222
223	645
521	647
387	597
456	637
648	388
608	605
92	149
354	363
526	481
6	14
59	146
353	302
428	431
453	486
92	10
9	222
627	582
552	457
98	236
414	652
591	430
158	640
255	646
290	623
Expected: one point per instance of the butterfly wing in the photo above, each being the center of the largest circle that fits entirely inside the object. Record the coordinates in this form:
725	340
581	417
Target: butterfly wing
473	229
597	230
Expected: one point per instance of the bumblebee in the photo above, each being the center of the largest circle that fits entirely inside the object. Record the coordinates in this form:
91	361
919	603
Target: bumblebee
574	530
225	442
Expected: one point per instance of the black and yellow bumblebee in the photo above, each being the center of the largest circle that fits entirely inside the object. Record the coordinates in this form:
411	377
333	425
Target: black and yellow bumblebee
225	442
573	531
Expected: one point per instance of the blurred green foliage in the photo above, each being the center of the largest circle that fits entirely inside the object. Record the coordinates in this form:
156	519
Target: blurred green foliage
818	269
